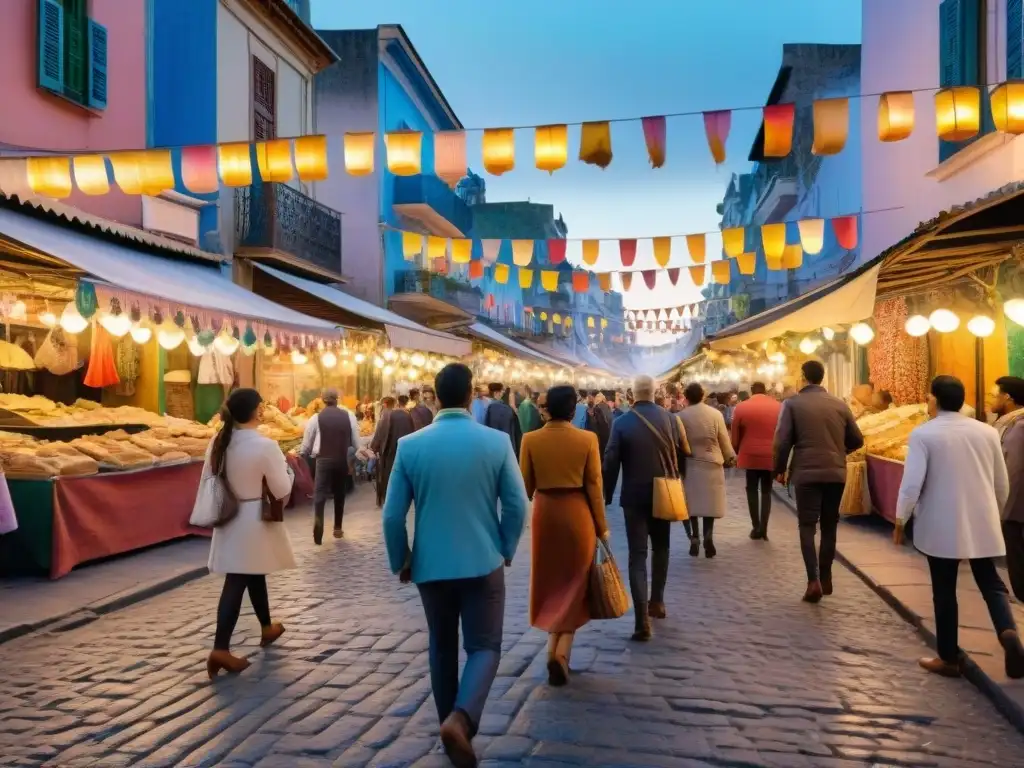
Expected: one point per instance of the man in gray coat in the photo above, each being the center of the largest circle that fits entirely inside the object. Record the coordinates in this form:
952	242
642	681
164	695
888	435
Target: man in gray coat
819	430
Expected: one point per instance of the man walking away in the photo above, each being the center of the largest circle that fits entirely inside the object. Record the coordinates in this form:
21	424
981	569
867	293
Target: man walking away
818	429
332	434
1007	402
460	544
753	430
502	417
955	484
421	414
582	416
602	421
529	414
635	448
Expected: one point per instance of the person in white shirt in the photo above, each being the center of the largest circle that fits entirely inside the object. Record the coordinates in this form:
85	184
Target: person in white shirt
331	437
955	486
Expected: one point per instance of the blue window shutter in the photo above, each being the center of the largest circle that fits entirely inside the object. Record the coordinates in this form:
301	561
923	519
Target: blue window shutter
51	45
1014	39
950	49
97	65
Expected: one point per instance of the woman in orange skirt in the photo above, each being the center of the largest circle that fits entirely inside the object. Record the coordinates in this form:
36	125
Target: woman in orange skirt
562	469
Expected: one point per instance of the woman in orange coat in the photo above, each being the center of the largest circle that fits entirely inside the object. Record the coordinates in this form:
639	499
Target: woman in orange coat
561	465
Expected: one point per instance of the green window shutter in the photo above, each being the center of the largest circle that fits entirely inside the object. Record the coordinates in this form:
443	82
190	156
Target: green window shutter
1014	39
97	65
51	45
950	51
960	54
76	50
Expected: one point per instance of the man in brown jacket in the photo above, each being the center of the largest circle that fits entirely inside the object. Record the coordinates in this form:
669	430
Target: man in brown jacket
818	429
1006	401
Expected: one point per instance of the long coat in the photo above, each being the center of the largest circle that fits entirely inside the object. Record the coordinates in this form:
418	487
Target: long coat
710	449
394	424
633	448
753	430
502	417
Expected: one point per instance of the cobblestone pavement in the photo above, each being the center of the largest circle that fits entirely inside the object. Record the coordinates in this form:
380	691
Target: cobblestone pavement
740	674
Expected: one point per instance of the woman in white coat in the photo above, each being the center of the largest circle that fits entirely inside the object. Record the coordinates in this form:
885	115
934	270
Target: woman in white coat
246	548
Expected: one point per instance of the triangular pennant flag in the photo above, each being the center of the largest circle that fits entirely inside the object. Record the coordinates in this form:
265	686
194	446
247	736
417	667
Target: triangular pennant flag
198	170
556	250
716	128
831	125
662	250
476	270
747	262
549	279
501	273
654	137
462	250
437	247
522	252
812	235
773	238
627	251
721	271
490	249
596	144
673	275
650	278
525	277
580	281
604	281
792	257
778	129
591	250
450	164
696	245
412	245
733	239
627	280
845	228
697	274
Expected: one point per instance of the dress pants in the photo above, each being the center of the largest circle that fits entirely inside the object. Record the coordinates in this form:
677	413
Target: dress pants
235	586
759	498
1013	533
331	478
641	525
944	573
480	604
818	503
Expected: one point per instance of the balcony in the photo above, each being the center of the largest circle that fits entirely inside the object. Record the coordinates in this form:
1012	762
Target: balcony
777	199
437	301
274	222
432	203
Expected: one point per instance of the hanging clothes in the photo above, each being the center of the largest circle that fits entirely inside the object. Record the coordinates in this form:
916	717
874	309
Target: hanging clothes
126	361
215	368
102	372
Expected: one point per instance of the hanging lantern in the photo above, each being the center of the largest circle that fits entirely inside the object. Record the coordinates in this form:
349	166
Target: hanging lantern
1007	105
981	326
126	171
845	229
957	112
604	281
591	250
274	159
792	257
778	129
462	250
580	282
812	235
662	250
91	174
944	320
199	170
156	171
556	250
733	239
895	115
525	277
169	336
437	247
522	252
499	150
360	149
549	280
49	176
501	273
696	246
831	125
721	271
697	274
551	147
225	343
862	334
716	129
311	158
773	238
450	164
233	162
917	325
747	262
596	144
71	320
404	151
1014	309
476	270
141	333
412	245
655	138
627	251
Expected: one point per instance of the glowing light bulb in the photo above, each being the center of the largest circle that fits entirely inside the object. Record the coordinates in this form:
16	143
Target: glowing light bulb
378	362
418	360
18	310
828	333
1014	309
48	319
917	325
195	347
170	336
116	325
944	320
141	334
981	326
360	358
225	343
808	345
328	359
862	334
71	320
299	357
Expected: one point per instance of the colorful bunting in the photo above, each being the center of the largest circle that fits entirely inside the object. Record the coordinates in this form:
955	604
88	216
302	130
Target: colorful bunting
591	250
895	115
655	138
551	147
733	239
604	281
274	159
650	278
198	170
627	251
549	279
627	280
50	176
359	150
412	245
662	250
673	275
437	247
696	246
596	144
556	250
792	257
499	150
490	247
501	273
812	235
233	163
845	228
311	158
476	270
522	252
580	281
525	278
450	163
91	174
774	263
716	128
697	274
778	129
747	263
462	250
831	125
404	151
721	271
773	238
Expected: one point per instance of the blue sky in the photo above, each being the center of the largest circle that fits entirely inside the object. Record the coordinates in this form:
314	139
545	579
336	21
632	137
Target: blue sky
529	62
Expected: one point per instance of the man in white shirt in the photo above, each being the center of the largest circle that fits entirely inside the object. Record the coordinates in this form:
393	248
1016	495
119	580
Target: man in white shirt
330	436
955	485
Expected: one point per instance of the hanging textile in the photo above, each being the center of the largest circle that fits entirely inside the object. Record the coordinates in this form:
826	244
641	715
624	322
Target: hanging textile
831	125
450	164
650	278
697	274
596	144
655	138
412	245
778	129
101	371
845	228
525	277
627	251
673	275
895	115
522	252
404	152
580	281
747	262
156	171
476	270
501	273
696	245
198	170
627	280
773	238
499	150
662	250
126	364
462	250
716	128
721	271
437	247
591	250
550	147
604	281
233	163
549	279
812	235
490	248
899	362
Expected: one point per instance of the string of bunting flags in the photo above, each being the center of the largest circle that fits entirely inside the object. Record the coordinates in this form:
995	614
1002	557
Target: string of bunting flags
202	169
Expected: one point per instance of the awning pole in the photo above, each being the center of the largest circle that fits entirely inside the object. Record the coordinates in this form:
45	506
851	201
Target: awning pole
979	378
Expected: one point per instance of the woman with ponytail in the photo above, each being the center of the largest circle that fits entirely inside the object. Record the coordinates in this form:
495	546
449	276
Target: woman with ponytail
246	548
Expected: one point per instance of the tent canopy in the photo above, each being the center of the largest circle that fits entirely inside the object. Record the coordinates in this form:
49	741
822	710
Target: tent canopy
491	336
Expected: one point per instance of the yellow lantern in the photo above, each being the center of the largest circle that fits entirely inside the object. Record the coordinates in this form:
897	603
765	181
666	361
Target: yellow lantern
1007	103
359	153
831	125
91	174
311	158
747	262
773	237
697	247
437	247
596	144
662	250
274	159
522	252
499	150
462	250
591	250
549	279
405	151
732	241
50	176
721	271
525	277
792	257
126	171
501	273
543	315
412	245
957	112
556	319
774	263
450	163
156	171
233	163
551	147
895	116
812	235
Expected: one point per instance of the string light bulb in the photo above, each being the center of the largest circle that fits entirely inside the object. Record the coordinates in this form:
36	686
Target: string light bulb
944	320
328	359
71	319
917	325
862	334
141	333
225	343
170	336
981	326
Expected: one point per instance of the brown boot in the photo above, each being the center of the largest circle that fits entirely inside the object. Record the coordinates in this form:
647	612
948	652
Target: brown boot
455	736
813	593
939	667
219	660
270	633
1014	652
656	610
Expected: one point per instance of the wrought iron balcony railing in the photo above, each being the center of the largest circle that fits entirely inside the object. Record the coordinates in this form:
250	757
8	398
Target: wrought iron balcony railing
436	195
277	217
448	289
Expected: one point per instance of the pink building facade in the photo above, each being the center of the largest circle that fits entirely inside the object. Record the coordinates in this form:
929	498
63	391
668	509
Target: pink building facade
75	78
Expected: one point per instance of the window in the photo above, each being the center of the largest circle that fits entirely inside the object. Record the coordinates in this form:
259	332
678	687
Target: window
963	59
1014	39
72	53
264	101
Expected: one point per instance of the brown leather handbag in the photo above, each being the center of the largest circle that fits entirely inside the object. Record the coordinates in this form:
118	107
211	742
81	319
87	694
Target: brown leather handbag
273	509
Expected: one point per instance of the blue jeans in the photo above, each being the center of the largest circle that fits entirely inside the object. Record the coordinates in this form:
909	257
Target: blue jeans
480	604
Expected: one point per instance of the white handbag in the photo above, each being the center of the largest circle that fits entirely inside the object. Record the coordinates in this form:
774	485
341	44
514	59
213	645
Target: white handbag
206	510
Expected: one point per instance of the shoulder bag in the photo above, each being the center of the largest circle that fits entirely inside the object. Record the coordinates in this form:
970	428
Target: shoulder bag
607	595
669	498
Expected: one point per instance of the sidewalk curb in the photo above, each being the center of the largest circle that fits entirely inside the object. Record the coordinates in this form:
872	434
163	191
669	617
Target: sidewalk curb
1010	709
115	602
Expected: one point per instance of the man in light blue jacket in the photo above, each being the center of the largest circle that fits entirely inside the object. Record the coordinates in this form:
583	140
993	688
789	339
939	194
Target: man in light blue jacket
456	471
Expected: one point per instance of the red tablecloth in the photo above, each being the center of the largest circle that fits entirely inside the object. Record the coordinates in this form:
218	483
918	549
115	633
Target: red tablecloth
302	487
884	478
110	514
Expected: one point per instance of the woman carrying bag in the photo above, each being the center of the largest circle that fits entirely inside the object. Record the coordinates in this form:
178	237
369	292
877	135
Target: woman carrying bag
244	481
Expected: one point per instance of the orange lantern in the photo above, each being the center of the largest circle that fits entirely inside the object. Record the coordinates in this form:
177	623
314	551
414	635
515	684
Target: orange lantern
732	241
747	262
792	257
499	150
696	245
1007	104
831	125
462	250
233	162
596	144
591	250
778	129
311	158
551	147
721	271
49	176
773	237
662	250
405	152
274	159
895	115
957	112
359	153
91	174
450	164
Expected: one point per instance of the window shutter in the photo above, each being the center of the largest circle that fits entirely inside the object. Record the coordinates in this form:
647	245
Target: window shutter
264	101
950	49
97	65
51	45
1014	39
76	50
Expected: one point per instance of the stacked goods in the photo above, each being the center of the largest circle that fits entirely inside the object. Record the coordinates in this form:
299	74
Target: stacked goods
886	433
42	412
276	425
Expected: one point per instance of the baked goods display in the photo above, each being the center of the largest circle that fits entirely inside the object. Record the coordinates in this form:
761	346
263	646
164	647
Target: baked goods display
280	427
886	433
42	412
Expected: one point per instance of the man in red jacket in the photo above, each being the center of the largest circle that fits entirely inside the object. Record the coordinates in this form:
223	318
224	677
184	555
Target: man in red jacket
753	430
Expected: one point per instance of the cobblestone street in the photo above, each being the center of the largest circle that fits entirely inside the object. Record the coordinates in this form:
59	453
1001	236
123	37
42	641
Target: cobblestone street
741	674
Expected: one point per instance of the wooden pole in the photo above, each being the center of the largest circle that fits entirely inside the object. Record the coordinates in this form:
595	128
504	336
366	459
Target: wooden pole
979	378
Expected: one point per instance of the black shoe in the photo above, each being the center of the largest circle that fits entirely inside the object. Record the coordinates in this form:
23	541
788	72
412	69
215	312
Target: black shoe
755	533
1014	652
642	635
709	548
318	532
763	536
694	546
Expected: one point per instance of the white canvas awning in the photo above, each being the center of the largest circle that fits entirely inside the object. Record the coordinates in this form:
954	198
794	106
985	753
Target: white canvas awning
486	333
